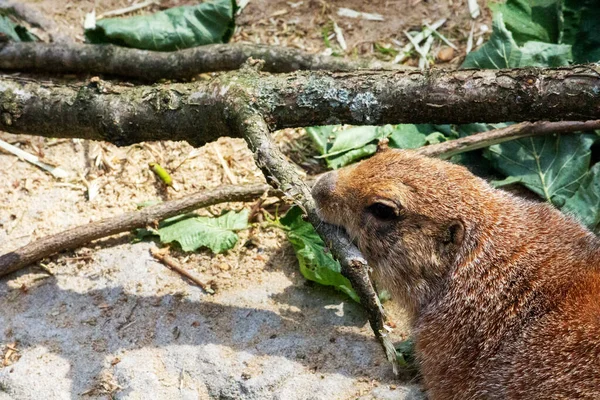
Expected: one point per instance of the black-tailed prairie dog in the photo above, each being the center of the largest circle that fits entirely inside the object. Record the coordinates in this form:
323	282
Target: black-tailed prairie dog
503	293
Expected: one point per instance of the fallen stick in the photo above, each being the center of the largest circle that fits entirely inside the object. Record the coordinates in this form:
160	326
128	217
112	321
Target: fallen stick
127	10
149	65
172	264
512	132
78	236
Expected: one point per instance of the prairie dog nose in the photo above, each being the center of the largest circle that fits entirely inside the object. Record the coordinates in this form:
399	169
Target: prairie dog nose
324	187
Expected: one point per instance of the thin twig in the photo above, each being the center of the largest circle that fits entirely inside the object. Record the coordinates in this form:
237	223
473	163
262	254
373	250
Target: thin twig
127	10
226	169
172	263
442	37
57	172
511	132
418	38
470	39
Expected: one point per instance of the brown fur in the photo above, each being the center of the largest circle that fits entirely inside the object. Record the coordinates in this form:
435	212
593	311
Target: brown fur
503	293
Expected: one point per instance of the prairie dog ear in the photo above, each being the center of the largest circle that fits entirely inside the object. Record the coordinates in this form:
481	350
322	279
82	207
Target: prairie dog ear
455	233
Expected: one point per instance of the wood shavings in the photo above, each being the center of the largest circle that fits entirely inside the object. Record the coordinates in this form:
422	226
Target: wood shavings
349	13
473	8
339	36
11	354
57	172
418	38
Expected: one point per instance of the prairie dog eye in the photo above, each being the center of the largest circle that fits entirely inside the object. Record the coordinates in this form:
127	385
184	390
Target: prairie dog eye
383	211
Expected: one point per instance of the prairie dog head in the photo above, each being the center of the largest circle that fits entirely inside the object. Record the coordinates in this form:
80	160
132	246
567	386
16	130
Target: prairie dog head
410	215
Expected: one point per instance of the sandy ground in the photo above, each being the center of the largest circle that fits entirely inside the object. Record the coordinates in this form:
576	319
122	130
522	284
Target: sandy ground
108	321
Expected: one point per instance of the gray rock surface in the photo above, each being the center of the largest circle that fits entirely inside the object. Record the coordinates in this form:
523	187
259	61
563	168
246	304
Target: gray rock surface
123	326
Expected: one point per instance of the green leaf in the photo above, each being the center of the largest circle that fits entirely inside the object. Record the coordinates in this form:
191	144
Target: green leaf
351	156
320	136
471	129
435	138
349	145
15	32
409	136
538	54
501	51
505	182
172	29
386	50
357	137
585	204
474	160
315	264
343	147
581	29
551	166
194	232
144	234
405	354
531	20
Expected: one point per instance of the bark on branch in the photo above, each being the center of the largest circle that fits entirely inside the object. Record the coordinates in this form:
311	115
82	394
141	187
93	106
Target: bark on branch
200	112
154	65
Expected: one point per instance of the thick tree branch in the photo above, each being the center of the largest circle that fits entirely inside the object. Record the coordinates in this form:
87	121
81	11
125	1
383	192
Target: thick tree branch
198	112
81	235
154	65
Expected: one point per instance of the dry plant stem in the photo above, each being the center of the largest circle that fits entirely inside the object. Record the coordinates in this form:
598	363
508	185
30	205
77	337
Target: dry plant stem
283	175
149	65
524	129
175	266
199	113
81	235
